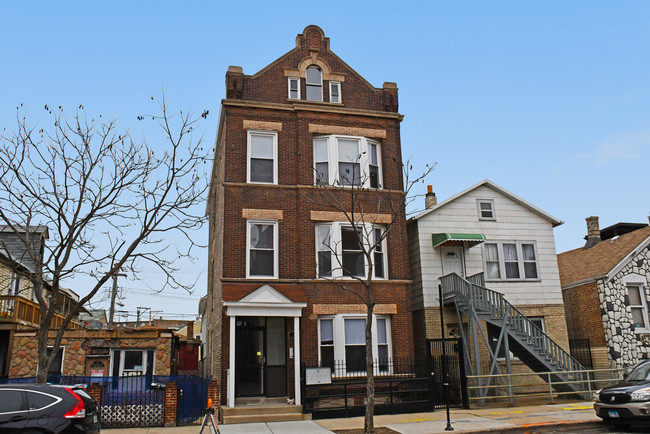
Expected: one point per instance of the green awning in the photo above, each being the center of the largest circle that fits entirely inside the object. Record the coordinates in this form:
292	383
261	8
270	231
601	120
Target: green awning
468	240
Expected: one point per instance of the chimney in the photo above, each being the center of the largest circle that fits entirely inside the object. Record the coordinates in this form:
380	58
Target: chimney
430	199
593	232
190	330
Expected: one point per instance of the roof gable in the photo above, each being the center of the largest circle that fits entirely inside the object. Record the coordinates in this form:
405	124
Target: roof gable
582	264
487	183
265	294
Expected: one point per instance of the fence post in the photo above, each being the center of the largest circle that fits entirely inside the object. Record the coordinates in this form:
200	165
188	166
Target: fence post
171	397
95	390
550	386
214	393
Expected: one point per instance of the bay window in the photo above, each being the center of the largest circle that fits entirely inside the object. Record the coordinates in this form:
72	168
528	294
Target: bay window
342	343
510	260
340	250
262	253
347	161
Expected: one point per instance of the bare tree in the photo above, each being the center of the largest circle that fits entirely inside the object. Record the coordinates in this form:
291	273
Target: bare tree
370	214
110	204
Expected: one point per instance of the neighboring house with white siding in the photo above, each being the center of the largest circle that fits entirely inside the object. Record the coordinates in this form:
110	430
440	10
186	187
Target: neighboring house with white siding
485	229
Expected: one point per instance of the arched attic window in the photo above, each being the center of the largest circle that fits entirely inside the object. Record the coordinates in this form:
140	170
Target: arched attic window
314	83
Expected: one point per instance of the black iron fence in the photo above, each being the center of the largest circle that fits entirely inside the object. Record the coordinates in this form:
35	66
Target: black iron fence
581	351
402	385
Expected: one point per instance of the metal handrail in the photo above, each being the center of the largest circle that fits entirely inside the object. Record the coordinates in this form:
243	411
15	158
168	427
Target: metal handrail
587	382
487	300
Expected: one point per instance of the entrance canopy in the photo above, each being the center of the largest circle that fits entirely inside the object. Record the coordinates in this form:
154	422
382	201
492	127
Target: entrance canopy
264	301
468	240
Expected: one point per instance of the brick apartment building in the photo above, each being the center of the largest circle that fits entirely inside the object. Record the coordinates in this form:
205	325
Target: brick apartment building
304	119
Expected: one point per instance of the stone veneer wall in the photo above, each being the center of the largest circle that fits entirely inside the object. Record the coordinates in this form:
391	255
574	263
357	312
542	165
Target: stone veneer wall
626	345
77	343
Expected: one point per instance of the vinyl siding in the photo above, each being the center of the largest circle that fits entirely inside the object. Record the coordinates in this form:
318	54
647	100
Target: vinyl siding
514	222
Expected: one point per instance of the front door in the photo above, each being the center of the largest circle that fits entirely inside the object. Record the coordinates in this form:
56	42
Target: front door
452	261
260	356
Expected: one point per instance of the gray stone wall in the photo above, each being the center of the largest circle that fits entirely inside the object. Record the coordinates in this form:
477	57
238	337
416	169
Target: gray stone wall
626	345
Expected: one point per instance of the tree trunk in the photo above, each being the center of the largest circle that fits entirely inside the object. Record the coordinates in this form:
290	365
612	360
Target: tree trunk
43	360
369	419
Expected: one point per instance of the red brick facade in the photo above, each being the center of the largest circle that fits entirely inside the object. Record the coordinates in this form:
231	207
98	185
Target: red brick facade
261	102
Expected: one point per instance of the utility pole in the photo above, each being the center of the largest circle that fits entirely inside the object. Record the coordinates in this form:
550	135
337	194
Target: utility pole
141	309
113	296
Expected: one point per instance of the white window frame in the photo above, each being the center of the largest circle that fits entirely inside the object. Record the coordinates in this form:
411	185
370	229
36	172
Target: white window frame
643	306
319	85
338	328
275	225
490	202
333	84
145	355
274	135
15	284
62	349
363	160
297	81
336	249
520	261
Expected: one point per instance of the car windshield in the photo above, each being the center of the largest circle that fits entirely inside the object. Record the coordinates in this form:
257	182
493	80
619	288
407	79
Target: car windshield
640	373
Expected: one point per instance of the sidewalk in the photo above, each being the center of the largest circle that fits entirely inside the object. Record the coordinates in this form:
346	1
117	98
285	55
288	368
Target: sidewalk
534	418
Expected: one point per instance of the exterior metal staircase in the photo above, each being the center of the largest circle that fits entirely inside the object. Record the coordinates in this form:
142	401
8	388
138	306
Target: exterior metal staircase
517	333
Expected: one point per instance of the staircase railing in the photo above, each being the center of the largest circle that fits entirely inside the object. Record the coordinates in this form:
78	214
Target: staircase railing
485	300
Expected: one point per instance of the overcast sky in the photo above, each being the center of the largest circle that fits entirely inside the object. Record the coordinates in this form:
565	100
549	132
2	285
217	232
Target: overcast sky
549	99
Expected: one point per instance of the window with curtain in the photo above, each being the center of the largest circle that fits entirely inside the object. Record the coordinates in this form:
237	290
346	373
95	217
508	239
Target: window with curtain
342	343
638	306
347	161
510	260
262	161
262	240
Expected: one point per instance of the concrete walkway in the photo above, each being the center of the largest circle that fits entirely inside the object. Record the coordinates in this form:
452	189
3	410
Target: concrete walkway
534	418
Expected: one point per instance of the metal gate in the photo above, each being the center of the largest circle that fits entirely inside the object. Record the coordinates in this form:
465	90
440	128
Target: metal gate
455	368
191	399
131	402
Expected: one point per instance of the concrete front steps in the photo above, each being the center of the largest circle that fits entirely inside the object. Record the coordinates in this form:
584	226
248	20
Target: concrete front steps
255	410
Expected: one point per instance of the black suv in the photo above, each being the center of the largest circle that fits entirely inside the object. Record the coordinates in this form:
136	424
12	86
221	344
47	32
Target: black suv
627	402
44	408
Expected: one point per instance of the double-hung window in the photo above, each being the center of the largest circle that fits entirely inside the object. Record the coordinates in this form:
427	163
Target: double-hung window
638	306
262	252
335	91
510	260
262	157
314	82
342	343
340	250
294	88
485	209
347	161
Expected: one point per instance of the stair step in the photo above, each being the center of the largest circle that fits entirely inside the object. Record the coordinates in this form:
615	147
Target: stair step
257	418
261	410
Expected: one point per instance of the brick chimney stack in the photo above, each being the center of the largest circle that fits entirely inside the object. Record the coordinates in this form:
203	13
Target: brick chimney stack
593	231
190	330
430	199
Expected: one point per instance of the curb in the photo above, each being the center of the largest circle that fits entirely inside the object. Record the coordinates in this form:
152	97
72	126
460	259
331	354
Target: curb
546	427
